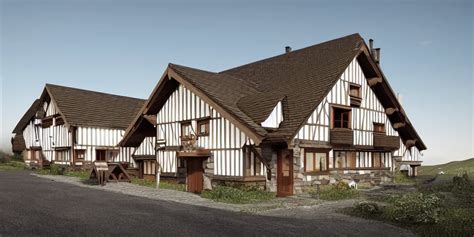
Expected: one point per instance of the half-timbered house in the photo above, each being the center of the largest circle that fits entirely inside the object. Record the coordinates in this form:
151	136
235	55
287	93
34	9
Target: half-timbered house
318	114
72	126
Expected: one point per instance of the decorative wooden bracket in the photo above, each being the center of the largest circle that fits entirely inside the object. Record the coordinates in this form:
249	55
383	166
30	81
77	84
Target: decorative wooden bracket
373	81
399	125
390	111
410	143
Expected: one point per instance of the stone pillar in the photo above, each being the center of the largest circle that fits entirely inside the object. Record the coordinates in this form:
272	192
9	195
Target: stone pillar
271	157
208	173
298	170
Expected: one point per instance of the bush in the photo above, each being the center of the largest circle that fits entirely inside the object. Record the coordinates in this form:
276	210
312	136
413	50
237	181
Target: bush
57	169
367	208
401	178
415	208
236	194
17	157
339	191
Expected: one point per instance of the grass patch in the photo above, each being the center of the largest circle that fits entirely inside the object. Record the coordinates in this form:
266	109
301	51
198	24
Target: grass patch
81	174
163	184
12	165
237	195
401	178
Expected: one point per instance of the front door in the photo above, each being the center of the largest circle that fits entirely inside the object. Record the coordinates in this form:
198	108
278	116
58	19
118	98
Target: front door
194	178
285	173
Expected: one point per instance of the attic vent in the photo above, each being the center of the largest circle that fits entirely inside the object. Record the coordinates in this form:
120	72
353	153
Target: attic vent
375	52
287	49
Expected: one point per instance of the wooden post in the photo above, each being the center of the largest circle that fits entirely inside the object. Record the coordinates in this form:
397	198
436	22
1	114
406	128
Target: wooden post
157	173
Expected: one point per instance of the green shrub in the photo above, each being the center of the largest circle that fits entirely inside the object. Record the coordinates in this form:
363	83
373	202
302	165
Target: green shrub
17	157
339	191
401	178
366	208
238	195
415	208
56	169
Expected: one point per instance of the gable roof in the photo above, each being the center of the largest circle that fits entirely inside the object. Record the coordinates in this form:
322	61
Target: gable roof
25	119
92	109
300	79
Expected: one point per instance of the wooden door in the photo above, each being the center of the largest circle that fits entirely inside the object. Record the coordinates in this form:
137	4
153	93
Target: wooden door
285	173
195	173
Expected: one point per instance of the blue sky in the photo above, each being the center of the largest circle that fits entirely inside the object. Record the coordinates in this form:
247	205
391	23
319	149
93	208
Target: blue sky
123	46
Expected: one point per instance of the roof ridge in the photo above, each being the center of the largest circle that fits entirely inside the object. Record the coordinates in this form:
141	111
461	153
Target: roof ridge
291	52
49	85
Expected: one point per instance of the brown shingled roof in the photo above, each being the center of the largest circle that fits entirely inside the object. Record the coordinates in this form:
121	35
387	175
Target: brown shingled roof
94	109
29	114
300	79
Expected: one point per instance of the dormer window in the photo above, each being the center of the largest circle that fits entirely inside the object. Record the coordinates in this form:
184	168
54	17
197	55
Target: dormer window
355	95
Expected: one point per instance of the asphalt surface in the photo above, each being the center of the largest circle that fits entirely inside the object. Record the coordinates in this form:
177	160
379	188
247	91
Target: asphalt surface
32	206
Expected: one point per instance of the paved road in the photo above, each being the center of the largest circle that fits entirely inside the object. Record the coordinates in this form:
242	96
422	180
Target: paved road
34	206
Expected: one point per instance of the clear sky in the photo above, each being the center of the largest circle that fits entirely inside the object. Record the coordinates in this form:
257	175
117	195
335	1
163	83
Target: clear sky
123	47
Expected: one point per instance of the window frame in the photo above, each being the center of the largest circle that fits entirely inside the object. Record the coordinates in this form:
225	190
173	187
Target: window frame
314	151
359	91
206	122
348	155
184	124
76	155
333	117
97	151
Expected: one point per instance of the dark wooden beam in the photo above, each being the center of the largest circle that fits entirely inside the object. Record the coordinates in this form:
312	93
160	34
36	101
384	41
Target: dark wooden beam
374	81
410	143
390	111
399	125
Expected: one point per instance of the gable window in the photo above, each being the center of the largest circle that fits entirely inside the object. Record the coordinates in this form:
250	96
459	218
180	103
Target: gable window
341	118
203	127
100	155
316	161
355	95
379	128
354	90
186	131
344	159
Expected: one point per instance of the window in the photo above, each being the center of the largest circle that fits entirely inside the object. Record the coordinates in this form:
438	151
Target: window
341	118
46	122
354	90
203	127
186	131
344	159
379	127
253	166
316	161
61	156
80	155
377	160
100	155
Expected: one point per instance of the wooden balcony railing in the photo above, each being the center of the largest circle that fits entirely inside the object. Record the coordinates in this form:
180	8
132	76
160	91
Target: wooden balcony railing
341	136
386	142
